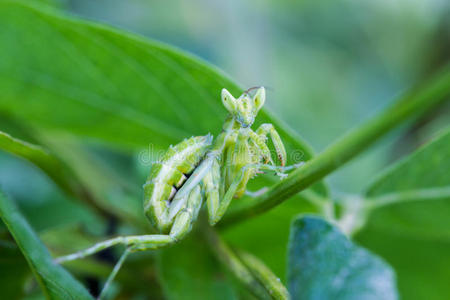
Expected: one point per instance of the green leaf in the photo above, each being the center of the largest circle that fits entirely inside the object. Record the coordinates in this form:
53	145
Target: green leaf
264	275
409	225
422	267
413	196
57	170
324	264
77	173
55	281
96	81
40	157
190	271
107	189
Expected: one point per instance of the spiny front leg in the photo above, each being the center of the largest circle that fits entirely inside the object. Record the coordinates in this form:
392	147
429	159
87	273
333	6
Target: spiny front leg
188	215
211	184
226	199
268	129
260	147
181	197
241	157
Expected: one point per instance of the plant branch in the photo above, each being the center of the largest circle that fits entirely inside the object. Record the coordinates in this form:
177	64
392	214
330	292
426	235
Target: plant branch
408	196
413	103
229	258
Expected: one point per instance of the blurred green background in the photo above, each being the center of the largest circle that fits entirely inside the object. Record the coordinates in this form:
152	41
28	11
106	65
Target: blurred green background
328	66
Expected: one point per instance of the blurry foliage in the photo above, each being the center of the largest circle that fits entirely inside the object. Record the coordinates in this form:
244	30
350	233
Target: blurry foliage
410	224
328	65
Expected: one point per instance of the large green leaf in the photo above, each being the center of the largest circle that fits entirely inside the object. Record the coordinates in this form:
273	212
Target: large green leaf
40	191
55	281
96	81
78	173
108	189
190	272
410	224
413	196
324	264
40	157
69	170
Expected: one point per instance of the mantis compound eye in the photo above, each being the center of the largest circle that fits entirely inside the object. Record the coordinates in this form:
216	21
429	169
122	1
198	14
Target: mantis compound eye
259	98
228	101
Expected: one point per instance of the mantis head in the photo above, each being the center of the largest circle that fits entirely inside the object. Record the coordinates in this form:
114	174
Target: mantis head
245	108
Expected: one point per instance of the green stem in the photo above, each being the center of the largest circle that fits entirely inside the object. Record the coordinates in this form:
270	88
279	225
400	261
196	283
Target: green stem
229	258
413	103
408	196
264	275
357	210
324	205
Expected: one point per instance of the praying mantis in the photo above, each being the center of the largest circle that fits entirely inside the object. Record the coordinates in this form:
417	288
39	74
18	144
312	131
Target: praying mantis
201	168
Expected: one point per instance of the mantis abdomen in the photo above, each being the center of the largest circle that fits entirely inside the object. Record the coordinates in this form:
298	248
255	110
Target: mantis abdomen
168	175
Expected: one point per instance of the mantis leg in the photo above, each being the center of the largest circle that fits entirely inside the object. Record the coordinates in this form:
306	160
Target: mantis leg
135	242
211	183
268	129
188	215
209	167
256	193
114	273
225	202
180	228
259	141
182	195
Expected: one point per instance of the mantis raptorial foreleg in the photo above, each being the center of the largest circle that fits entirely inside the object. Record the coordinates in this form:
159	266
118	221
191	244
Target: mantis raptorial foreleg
226	200
260	147
200	172
268	129
114	273
211	184
188	215
241	157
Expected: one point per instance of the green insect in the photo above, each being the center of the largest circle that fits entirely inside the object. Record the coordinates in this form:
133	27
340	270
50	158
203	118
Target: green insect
200	168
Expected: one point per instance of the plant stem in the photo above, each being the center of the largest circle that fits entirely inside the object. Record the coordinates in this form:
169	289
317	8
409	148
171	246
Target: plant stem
408	196
227	257
264	275
413	103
